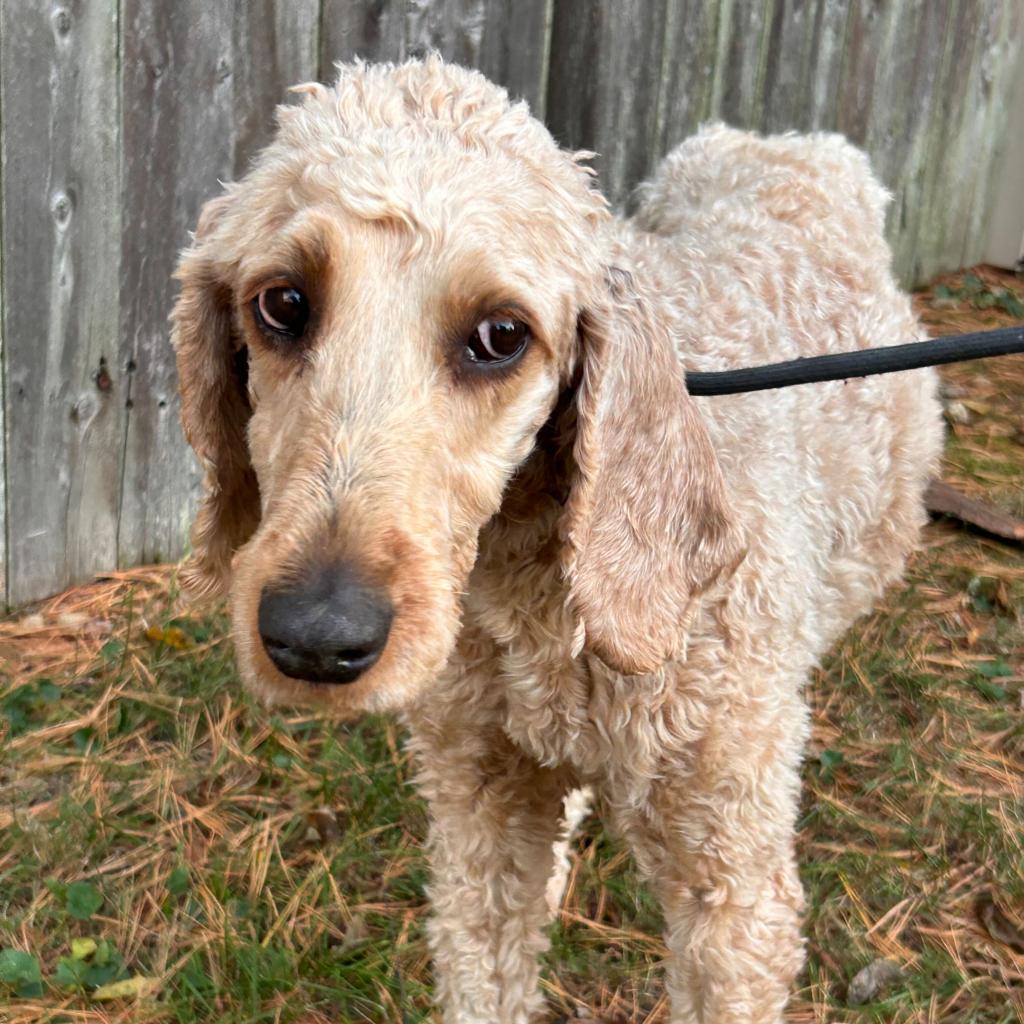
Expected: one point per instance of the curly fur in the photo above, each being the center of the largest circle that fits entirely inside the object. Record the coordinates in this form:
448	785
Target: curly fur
597	580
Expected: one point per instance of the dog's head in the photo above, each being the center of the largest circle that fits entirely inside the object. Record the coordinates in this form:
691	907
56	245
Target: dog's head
373	326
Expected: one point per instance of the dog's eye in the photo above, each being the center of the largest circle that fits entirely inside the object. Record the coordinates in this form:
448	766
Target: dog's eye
497	340
283	310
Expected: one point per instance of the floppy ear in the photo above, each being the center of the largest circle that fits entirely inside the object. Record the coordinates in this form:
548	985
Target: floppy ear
214	410
647	519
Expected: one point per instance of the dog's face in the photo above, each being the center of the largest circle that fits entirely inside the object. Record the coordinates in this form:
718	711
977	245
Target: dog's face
374	324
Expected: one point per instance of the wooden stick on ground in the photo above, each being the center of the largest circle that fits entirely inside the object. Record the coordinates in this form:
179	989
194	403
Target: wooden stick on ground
948	501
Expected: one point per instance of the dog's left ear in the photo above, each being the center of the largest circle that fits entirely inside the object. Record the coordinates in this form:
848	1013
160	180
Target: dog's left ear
212	373
648	526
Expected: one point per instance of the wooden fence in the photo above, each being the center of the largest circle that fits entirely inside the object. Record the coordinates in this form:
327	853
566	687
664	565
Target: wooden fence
118	118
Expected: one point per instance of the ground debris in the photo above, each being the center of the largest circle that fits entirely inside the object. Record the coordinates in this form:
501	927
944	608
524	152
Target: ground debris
998	925
869	981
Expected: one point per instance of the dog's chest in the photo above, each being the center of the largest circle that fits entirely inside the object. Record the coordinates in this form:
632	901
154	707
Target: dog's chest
517	598
560	709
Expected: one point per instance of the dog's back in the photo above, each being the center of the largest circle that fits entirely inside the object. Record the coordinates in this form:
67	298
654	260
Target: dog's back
777	252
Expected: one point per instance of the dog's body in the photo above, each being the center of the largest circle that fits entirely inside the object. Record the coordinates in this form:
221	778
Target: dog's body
625	588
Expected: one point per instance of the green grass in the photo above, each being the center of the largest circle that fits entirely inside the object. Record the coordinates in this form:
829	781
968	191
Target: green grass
256	867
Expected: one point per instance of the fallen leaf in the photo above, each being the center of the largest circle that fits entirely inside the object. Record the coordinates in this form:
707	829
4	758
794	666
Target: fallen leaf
869	981
172	636
82	949
130	988
981	408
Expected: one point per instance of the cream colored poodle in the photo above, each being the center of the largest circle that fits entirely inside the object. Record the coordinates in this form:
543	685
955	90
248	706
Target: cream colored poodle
453	470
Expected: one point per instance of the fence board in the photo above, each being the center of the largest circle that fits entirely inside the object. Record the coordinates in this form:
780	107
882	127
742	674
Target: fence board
604	88
901	130
955	142
200	84
506	39
787	72
64	394
3	363
370	29
826	62
276	46
515	48
687	82
991	93
744	30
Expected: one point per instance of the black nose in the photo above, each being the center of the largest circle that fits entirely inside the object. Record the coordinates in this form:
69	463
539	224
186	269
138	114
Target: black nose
329	627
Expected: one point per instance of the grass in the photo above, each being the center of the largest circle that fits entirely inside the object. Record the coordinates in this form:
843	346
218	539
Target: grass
158	828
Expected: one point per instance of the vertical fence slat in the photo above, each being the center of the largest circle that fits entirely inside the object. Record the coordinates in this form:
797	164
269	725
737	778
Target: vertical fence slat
604	85
4	598
744	29
790	43
276	44
177	129
955	145
506	39
200	82
688	63
901	125
826	61
862	54
64	392
371	29
515	47
992	91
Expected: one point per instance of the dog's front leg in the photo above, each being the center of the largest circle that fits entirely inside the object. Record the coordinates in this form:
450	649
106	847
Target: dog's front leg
495	816
712	828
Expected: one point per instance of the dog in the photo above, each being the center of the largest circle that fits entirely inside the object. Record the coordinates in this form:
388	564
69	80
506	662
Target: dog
452	470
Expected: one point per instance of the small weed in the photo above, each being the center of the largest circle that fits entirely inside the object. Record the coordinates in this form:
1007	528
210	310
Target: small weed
981	296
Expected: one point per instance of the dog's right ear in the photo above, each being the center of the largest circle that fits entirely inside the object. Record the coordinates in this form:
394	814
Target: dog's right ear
648	521
215	408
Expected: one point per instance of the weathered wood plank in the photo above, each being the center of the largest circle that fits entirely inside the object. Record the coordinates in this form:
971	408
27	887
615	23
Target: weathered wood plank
992	91
506	39
515	49
454	28
276	46
826	62
788	51
955	148
687	72
908	77
866	26
744	31
604	85
3	359
178	132
200	82
394	30
1005	244
61	210
370	29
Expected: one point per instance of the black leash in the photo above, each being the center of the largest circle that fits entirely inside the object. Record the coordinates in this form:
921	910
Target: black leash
842	365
